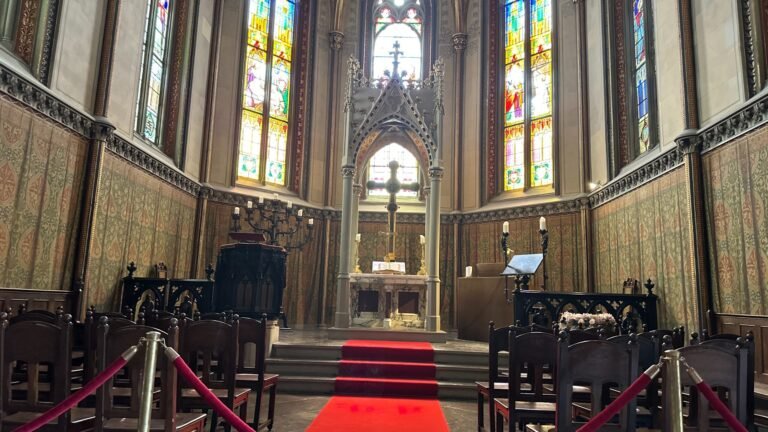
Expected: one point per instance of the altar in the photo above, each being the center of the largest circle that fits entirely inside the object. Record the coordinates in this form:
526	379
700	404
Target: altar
389	301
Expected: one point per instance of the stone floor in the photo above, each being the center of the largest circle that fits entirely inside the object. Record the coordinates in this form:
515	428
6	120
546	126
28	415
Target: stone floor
294	413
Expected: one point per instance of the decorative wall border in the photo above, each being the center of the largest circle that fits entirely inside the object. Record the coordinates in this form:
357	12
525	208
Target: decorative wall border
653	169
750	116
748	33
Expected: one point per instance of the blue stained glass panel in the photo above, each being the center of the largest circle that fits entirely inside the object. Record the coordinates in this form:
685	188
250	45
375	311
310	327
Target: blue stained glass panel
514	31
639	31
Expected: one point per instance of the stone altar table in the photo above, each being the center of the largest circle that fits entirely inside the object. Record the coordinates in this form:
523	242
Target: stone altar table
389	301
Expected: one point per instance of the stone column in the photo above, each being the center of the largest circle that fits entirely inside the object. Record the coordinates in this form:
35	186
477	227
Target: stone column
433	263
336	41
357	190
427	194
688	145
342	319
459	46
7	21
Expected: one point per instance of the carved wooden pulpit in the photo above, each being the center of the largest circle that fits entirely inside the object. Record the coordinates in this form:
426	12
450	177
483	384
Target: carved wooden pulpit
250	279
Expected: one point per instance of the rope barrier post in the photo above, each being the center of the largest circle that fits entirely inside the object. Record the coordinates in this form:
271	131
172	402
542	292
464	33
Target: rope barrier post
147	388
673	419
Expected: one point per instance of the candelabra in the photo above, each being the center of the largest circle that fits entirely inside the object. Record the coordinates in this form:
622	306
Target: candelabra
273	223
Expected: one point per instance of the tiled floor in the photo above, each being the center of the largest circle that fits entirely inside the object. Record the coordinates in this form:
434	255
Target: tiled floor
294	413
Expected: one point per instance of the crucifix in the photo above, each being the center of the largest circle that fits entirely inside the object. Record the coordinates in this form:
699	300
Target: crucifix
392	186
395	54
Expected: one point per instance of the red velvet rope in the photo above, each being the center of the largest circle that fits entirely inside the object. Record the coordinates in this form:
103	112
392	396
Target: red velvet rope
75	398
213	401
718	405
614	407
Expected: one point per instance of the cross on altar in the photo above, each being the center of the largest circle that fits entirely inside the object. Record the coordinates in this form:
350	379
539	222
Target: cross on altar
395	54
392	186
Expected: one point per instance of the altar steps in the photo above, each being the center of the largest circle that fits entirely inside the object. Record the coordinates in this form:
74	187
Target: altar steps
313	368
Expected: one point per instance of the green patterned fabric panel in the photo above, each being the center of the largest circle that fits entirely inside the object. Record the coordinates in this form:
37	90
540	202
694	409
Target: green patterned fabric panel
41	176
645	234
140	218
736	191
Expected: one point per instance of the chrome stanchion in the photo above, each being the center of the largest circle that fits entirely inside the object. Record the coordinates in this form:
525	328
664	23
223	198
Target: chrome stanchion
147	388
673	418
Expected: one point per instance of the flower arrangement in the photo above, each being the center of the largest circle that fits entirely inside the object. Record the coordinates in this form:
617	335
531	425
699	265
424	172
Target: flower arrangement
573	320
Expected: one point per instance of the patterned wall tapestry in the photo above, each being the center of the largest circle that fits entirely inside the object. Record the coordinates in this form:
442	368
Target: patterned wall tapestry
142	219
644	234
736	191
41	174
480	243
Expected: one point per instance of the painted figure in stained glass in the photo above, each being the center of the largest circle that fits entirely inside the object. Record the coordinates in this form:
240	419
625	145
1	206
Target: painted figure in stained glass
402	25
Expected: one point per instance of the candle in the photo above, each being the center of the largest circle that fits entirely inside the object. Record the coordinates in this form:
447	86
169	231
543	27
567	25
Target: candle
261	200
505	228
468	271
249	204
275	196
542	224
236	211
311	221
357	237
300	213
422	240
289	205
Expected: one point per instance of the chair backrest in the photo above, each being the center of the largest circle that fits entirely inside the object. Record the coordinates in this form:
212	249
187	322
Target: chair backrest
37	345
647	348
723	368
498	342
252	332
112	342
39	315
578	335
533	353
600	365
92	320
748	342
204	341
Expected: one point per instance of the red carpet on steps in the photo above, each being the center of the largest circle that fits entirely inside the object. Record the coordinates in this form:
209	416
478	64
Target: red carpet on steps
384	368
372	414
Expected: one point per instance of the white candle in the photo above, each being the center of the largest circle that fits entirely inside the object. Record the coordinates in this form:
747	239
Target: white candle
236	211
468	271
261	200
249	204
422	240
542	223
300	213
505	228
275	196
289	205
357	237
311	221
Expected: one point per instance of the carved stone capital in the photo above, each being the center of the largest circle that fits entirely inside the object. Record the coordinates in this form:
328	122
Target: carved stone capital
436	173
101	129
688	142
348	171
336	40
459	41
357	190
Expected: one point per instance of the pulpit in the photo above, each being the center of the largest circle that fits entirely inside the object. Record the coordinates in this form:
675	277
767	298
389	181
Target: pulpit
250	279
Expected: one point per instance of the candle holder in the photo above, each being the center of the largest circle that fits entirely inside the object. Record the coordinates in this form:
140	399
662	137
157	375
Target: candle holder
271	220
357	257
544	246
505	251
423	268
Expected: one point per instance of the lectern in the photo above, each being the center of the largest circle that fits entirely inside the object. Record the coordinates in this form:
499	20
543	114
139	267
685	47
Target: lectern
250	279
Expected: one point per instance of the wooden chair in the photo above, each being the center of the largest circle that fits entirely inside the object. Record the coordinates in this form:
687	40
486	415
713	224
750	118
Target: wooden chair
578	335
487	391
649	351
211	349
92	319
115	415
723	368
52	349
598	364
254	332
729	341
39	315
530	355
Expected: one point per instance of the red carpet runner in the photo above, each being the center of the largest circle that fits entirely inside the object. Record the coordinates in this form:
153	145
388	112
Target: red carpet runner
402	370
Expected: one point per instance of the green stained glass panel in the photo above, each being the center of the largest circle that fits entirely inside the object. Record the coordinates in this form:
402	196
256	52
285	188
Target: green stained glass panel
255	75
283	31
281	87
514	157
514	20
250	145
258	23
276	151
541	26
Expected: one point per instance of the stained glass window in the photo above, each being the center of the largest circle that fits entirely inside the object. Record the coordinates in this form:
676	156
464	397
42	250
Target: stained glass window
398	22
641	74
153	66
264	123
379	171
528	79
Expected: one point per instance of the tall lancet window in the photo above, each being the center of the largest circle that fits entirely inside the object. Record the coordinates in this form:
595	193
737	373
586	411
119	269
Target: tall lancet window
264	122
379	171
154	57
640	57
398	22
528	107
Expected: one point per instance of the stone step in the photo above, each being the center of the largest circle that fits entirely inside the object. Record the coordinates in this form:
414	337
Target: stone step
324	385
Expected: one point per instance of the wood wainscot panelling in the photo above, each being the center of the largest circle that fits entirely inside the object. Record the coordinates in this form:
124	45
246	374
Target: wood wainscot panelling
142	219
48	300
644	234
41	175
480	243
741	324
736	190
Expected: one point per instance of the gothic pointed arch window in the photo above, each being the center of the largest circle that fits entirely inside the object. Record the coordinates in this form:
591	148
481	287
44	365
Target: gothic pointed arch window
154	58
406	23
268	92
528	108
379	171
